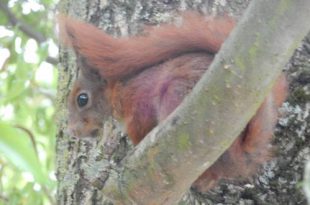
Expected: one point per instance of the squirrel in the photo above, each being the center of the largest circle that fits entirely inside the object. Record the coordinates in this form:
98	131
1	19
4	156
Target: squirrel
140	80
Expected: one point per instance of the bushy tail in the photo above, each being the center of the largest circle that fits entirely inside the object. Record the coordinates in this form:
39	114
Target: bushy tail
118	57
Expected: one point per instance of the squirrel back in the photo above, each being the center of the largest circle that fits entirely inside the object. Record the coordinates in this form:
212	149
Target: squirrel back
115	58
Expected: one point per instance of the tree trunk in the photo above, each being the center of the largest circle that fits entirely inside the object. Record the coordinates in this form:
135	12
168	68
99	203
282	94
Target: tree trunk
82	165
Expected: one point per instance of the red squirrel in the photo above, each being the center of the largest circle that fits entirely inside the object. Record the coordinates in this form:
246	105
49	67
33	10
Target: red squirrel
140	80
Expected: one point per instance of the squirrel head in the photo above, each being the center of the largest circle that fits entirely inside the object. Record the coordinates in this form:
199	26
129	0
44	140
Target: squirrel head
87	105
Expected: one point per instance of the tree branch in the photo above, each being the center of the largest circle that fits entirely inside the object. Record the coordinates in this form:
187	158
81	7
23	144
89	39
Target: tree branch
51	60
27	29
32	138
165	164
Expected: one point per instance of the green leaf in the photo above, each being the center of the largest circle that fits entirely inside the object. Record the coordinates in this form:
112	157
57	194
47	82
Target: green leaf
3	19
16	146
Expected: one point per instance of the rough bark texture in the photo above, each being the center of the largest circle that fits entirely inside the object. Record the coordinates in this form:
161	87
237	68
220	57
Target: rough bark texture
79	161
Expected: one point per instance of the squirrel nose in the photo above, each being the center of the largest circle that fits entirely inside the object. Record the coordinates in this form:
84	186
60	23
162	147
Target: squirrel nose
70	131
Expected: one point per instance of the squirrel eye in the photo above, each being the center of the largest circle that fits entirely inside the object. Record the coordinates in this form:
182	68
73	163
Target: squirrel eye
82	99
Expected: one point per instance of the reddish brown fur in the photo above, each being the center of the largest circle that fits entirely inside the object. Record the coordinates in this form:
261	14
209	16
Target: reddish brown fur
151	76
115	58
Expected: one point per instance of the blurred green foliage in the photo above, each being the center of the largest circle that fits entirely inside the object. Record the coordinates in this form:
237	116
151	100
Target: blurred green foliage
28	80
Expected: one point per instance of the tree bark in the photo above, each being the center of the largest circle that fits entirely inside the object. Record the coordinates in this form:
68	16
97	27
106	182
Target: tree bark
84	165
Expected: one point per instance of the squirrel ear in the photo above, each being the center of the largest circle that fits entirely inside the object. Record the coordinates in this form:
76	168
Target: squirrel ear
63	34
87	71
68	35
95	47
